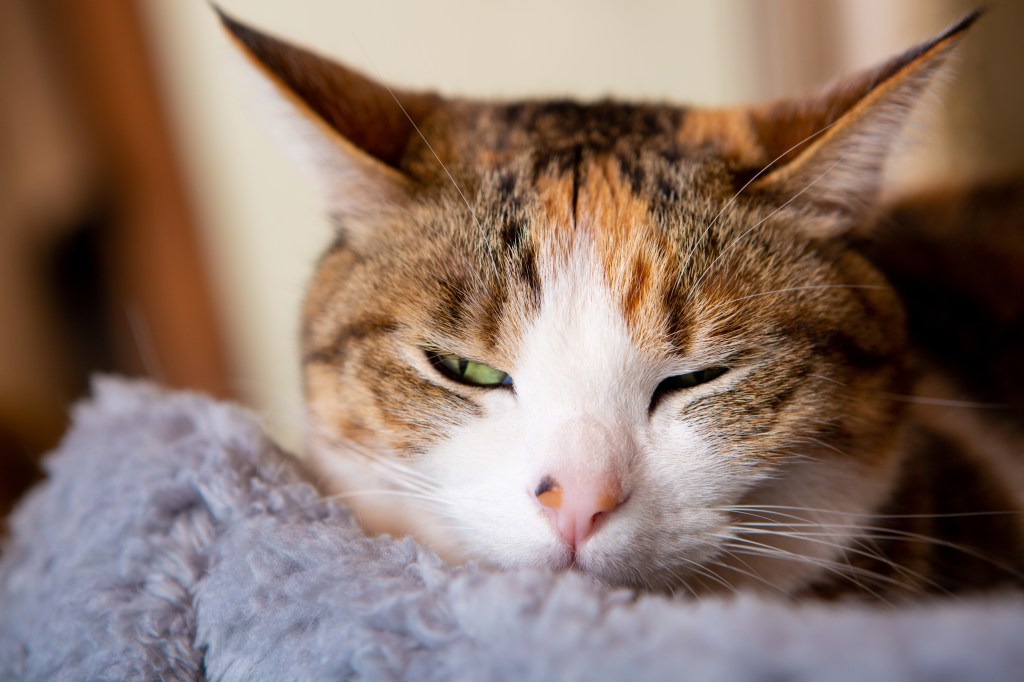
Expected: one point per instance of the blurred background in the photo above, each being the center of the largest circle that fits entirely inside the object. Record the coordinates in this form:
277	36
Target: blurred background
150	227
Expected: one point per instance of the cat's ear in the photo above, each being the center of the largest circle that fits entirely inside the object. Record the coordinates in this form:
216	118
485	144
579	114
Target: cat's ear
829	149
348	129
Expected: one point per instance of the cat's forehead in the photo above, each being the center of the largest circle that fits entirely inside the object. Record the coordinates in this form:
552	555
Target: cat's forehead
644	246
635	189
557	133
584	229
545	137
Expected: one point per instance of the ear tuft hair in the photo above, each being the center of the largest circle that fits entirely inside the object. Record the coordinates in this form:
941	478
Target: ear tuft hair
832	147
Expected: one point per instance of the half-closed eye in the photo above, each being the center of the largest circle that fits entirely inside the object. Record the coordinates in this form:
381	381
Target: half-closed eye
681	382
467	371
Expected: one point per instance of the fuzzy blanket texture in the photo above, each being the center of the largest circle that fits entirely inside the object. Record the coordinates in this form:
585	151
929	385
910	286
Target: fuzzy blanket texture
175	541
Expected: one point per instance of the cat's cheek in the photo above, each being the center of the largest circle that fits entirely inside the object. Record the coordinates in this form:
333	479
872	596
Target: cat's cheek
344	475
690	470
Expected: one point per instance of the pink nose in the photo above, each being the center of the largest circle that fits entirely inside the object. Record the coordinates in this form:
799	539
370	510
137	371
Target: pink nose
575	509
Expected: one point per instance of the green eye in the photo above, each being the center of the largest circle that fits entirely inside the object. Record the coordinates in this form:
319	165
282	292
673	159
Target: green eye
468	372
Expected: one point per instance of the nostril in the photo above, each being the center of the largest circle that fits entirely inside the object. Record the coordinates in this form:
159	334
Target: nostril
597	519
549	493
547	483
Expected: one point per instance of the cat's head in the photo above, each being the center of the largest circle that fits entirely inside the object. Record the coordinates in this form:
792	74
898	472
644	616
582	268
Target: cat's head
610	336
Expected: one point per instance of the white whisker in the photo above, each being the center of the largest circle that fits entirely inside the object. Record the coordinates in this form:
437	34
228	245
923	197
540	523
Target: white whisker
814	287
944	402
771	509
845	549
842	570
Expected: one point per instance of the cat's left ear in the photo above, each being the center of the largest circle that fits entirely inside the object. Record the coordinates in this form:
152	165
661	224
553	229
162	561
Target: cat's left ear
829	150
349	130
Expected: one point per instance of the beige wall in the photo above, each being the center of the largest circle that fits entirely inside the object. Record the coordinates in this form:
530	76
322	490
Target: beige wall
263	224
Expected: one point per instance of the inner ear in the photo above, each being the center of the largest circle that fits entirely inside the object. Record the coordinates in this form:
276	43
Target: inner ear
830	149
374	118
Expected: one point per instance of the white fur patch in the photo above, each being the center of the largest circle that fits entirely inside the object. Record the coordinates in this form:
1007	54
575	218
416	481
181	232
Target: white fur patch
582	391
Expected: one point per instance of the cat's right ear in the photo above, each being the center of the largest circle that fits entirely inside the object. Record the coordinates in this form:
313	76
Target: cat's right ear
348	129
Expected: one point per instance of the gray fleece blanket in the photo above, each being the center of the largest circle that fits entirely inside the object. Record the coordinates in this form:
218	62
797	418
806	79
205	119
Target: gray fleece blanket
174	541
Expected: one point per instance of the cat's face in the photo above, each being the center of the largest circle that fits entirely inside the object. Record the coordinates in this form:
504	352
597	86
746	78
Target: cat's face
600	281
556	335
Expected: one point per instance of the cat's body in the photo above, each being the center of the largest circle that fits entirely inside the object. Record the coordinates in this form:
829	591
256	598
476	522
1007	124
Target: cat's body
644	341
954	256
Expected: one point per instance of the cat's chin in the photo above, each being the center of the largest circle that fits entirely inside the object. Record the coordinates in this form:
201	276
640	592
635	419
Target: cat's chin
670	583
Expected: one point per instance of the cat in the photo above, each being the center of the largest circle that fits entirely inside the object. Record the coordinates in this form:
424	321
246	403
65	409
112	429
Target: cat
658	345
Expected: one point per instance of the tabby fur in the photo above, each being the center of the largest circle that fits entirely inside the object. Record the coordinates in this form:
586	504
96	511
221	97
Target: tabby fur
596	250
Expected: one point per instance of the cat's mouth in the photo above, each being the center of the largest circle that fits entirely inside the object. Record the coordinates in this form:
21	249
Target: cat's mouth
624	560
609	576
